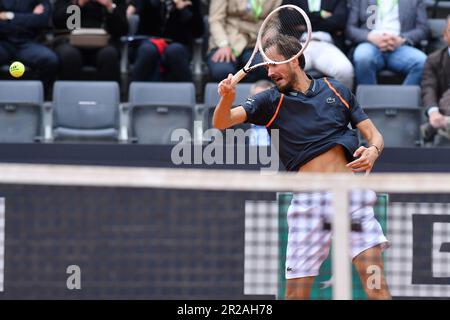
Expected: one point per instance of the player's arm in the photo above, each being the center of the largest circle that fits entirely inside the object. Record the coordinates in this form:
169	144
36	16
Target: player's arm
225	117
367	155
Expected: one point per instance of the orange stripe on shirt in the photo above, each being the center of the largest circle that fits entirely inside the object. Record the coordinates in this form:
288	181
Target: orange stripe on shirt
276	112
337	93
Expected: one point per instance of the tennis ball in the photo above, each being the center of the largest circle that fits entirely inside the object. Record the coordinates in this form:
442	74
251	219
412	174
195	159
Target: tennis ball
16	69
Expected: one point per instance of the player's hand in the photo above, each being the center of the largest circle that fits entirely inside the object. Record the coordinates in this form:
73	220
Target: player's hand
223	55
366	160
438	120
226	89
39	9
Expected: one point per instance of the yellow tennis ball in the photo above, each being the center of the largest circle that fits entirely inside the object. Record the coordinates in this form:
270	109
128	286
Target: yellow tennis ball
16	69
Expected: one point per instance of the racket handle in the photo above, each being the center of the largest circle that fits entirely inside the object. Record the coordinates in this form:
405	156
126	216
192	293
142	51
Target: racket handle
238	77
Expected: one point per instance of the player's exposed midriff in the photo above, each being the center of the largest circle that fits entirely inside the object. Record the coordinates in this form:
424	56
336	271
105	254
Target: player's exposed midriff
333	160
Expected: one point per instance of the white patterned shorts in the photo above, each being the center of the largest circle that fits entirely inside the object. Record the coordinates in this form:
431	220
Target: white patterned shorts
308	240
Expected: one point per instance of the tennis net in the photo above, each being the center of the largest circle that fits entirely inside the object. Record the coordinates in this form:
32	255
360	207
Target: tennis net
133	233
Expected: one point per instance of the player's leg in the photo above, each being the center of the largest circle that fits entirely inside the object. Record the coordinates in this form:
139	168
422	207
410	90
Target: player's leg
369	265
299	289
367	245
308	243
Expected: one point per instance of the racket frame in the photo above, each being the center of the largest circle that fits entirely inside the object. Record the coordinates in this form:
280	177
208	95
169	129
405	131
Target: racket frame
258	47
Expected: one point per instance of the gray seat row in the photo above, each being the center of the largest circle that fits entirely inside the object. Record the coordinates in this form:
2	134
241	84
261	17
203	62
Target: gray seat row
91	111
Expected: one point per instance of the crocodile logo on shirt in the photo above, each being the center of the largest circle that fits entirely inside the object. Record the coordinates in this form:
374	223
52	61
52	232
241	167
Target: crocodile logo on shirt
331	100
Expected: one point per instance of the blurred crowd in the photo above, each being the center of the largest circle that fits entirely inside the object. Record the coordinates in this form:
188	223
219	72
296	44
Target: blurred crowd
354	41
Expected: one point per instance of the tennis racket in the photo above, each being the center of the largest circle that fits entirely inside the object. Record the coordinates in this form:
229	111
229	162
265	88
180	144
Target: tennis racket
286	24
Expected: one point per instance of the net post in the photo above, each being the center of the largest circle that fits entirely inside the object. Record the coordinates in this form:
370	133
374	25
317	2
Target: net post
341	263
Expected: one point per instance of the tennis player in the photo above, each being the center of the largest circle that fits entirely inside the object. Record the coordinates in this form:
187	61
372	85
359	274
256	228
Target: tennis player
312	116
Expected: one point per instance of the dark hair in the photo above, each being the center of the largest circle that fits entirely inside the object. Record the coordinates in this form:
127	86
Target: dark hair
287	46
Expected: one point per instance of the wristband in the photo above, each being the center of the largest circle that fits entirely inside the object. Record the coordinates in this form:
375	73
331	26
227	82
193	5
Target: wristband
378	149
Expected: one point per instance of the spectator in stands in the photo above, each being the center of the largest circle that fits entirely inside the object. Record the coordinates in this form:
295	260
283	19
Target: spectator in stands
260	136
205	5
234	26
21	22
436	90
172	26
133	7
328	20
106	14
386	32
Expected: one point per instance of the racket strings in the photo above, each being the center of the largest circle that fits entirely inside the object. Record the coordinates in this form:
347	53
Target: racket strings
282	35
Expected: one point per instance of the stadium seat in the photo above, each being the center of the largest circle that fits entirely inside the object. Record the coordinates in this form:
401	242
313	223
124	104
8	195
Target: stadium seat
437	40
212	98
438	8
389	77
85	111
395	111
200	71
133	24
21	111
156	109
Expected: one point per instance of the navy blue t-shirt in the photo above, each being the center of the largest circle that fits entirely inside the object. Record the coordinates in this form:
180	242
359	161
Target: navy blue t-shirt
309	124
